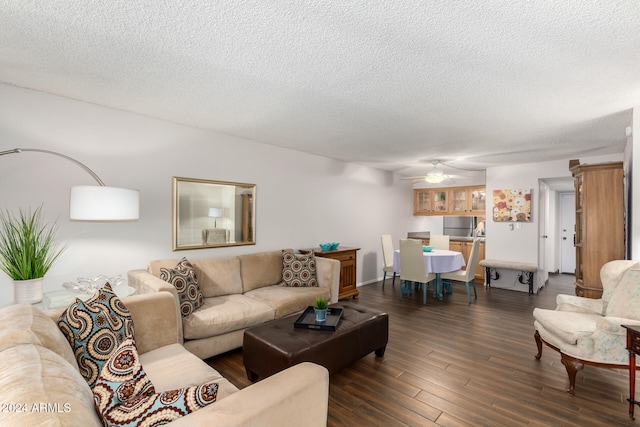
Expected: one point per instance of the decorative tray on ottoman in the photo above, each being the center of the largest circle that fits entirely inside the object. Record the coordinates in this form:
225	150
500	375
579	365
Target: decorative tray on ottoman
307	319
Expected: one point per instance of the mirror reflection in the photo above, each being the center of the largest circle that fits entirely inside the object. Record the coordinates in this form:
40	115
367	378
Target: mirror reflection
210	214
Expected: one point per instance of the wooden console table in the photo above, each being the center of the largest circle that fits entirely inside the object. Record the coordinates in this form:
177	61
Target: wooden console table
347	258
633	345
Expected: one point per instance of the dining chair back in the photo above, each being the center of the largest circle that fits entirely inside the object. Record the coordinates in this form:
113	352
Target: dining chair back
466	276
412	268
439	241
387	257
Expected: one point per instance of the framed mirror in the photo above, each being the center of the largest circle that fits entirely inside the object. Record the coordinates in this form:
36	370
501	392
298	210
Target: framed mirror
210	214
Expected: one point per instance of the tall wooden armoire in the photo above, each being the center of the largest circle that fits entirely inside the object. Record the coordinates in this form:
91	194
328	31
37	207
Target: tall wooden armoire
600	222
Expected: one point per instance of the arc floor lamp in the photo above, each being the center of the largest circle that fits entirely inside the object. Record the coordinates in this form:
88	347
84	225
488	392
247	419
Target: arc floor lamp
95	202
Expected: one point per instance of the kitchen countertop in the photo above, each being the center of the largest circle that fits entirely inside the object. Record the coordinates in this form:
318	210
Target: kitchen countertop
427	235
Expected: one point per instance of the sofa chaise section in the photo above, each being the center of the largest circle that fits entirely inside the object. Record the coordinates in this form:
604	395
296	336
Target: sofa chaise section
39	371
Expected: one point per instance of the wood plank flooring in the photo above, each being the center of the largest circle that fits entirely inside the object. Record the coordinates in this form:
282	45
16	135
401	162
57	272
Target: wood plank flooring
450	363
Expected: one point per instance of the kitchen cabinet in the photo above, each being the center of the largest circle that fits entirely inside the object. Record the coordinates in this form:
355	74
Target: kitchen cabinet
462	201
430	201
600	225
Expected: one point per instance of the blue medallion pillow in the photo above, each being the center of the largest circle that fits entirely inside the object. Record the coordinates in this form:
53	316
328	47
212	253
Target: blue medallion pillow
95	328
183	278
124	396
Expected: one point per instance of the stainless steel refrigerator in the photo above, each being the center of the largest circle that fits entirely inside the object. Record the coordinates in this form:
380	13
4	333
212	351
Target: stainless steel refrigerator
460	226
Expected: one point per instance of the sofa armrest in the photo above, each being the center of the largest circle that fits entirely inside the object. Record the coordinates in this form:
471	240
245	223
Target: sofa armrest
145	282
156	320
574	303
297	396
328	275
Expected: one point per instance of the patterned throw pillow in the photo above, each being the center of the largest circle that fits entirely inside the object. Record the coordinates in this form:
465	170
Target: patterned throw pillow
95	328
298	270
183	278
124	396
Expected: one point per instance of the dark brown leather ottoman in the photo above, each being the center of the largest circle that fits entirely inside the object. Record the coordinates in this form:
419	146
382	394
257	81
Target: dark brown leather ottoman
277	345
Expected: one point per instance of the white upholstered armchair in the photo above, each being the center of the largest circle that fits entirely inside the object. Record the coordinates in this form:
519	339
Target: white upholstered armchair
588	331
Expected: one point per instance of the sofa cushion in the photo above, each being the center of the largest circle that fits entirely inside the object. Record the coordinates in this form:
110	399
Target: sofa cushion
219	276
225	313
298	270
183	277
625	301
567	326
285	300
124	395
160	365
260	269
47	390
26	324
94	329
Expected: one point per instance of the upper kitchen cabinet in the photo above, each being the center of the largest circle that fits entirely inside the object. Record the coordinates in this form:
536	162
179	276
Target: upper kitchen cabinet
430	201
478	200
449	201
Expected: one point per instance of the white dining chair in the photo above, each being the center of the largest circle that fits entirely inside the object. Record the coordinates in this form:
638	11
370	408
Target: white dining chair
439	241
412	268
387	257
466	276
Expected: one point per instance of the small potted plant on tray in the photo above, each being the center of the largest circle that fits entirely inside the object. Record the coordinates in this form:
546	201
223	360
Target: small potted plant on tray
27	252
320	309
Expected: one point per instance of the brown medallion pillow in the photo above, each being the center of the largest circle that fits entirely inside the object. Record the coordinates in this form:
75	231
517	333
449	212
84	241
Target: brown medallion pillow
298	270
183	278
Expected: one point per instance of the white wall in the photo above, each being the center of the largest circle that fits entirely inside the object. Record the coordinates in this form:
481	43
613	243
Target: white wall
301	200
633	156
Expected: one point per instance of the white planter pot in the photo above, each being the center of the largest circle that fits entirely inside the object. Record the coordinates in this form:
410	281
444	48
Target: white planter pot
28	291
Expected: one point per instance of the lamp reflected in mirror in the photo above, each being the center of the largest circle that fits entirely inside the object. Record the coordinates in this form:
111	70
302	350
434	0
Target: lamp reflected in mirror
215	213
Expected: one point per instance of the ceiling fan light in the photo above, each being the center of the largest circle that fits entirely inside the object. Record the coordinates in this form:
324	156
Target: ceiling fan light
434	178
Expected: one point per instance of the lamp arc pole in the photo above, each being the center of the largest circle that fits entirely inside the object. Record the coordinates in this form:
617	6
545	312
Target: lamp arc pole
71	159
93	203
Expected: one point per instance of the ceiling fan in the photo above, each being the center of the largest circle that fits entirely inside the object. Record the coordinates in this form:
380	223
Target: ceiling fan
434	176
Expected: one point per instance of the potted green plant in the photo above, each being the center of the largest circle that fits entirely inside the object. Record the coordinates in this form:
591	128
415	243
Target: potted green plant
27	252
320	309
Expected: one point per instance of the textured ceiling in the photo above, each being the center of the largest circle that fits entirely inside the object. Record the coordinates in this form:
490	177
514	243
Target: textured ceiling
387	83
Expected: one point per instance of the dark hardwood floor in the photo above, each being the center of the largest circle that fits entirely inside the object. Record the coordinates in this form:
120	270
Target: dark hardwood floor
449	363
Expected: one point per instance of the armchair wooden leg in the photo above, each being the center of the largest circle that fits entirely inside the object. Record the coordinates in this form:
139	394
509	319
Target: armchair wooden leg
539	344
573	366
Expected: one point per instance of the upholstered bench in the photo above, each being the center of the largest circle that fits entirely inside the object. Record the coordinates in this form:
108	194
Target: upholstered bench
277	345
526	268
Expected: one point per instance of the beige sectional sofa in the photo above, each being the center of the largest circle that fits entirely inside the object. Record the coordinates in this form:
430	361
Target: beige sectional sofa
239	292
41	383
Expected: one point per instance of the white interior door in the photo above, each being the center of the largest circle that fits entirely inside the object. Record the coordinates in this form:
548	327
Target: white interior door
542	274
567	233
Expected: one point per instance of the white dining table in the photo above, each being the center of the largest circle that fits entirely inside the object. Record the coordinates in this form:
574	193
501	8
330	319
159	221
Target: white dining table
436	261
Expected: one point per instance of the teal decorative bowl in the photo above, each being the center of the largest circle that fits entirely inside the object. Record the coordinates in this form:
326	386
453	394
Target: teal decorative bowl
331	246
427	248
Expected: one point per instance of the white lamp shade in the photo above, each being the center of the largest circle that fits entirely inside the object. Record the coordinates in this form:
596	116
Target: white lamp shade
101	203
215	212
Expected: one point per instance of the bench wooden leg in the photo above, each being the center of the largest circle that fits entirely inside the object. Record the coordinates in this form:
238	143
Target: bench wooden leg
380	351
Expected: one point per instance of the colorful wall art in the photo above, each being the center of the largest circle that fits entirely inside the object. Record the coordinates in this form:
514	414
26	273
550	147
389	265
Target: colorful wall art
512	205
